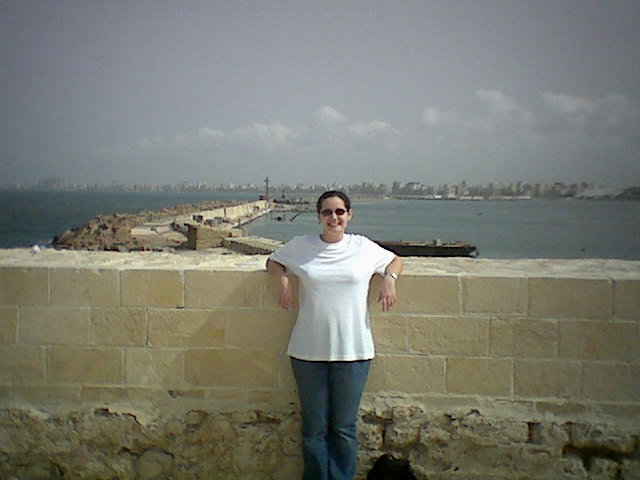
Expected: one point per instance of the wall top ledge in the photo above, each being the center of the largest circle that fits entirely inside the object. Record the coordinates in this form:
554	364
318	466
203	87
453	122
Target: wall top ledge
223	260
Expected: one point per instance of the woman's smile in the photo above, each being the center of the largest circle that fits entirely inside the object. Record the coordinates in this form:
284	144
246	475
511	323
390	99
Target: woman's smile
334	218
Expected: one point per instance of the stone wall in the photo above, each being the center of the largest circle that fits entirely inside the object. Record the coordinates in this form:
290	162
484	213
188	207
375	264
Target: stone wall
154	366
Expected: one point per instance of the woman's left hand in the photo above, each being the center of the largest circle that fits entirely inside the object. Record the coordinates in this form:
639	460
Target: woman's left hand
387	295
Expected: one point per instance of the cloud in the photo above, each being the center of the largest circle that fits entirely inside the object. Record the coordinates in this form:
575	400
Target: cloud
505	113
432	117
555	114
329	117
613	115
153	142
329	129
566	104
208	133
554	135
268	137
374	130
497	101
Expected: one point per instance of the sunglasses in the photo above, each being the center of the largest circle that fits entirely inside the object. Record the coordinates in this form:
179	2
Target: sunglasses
328	212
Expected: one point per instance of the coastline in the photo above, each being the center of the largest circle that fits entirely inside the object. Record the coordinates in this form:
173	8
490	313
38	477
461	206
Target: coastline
499	229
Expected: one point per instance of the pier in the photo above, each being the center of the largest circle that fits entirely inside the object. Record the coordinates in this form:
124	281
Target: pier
201	229
186	226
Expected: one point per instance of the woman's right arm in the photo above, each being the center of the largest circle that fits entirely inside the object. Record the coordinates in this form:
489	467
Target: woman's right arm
287	298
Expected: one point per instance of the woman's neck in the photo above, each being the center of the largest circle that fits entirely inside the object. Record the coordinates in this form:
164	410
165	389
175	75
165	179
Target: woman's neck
331	238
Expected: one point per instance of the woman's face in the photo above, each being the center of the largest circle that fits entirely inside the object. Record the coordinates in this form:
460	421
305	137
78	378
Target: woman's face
334	217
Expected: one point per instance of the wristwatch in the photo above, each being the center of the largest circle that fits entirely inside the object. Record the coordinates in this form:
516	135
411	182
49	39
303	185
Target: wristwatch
392	275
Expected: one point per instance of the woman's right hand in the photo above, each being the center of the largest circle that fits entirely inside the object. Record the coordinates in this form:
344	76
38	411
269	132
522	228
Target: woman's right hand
287	298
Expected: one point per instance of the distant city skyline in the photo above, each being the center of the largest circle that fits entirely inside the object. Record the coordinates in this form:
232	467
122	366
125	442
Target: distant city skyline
458	190
321	92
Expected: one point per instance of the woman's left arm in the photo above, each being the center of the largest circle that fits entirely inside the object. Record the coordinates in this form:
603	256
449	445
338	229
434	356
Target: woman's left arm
388	295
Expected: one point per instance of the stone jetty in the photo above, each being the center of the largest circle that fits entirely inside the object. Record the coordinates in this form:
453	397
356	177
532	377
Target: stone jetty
191	226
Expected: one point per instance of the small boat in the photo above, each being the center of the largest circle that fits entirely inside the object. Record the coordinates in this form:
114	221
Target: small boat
436	248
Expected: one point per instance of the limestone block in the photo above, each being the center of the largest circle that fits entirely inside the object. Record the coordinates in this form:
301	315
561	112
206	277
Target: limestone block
22	365
95	366
626	299
479	376
287	380
8	324
85	288
598	340
24	286
118	326
611	382
430	295
623	412
232	368
411	373
31	393
561	408
54	325
209	289
450	335
130	393
260	329
570	298
523	338
494	295
226	396
187	328
545	378
152	288
161	367
273	398
375	381
391	333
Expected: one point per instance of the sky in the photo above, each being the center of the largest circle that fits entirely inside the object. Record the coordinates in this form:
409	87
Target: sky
432	91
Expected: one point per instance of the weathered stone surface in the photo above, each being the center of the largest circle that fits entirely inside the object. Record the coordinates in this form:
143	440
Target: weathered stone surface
263	445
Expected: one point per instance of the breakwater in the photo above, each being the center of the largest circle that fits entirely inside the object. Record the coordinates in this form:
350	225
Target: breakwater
160	230
172	365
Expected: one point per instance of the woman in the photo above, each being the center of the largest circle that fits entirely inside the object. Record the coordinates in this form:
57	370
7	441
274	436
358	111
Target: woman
331	345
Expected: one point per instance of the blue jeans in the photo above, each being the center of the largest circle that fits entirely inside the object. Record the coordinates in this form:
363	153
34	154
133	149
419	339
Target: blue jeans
330	395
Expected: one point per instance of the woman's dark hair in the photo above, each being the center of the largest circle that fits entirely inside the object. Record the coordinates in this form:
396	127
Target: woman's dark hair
334	193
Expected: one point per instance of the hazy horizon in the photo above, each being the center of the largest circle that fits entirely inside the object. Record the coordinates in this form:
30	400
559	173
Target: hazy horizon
320	92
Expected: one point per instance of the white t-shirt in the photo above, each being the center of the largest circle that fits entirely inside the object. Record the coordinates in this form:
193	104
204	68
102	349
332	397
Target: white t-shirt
333	321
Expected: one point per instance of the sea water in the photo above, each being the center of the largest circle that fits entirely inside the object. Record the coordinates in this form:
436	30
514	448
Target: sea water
499	229
35	217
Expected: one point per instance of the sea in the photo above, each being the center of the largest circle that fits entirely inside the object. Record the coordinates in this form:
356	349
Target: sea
499	229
